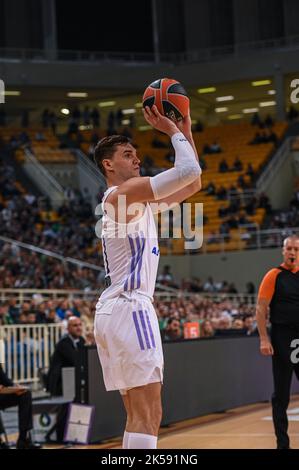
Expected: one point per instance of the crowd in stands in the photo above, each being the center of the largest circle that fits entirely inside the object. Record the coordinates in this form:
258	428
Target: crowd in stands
23	217
287	218
226	313
190	303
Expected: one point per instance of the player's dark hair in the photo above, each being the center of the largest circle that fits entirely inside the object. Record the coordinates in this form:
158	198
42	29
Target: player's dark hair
106	148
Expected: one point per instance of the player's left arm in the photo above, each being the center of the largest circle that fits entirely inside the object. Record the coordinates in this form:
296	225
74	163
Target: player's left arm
176	198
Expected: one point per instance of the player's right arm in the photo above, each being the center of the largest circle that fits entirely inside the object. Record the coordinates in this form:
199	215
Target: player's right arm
185	171
265	295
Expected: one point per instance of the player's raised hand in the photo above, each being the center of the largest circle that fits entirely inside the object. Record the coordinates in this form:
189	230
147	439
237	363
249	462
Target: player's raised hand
159	122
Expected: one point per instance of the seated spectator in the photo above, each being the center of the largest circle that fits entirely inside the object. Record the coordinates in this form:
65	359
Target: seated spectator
210	189
13	310
251	206
223	166
243	219
269	121
202	163
206	149
173	330
198	127
224	230
250	288
255	120
272	137
23	400
250	325
258	139
241	182
207	329
5	318
212	238
250	172
237	165
40	137
222	212
264	202
221	194
215	147
232	222
166	277
238	324
68	353
232	288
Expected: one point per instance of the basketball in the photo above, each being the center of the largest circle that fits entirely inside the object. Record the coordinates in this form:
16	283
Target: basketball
169	96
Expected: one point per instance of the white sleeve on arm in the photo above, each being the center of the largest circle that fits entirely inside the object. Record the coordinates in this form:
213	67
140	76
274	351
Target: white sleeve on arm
186	169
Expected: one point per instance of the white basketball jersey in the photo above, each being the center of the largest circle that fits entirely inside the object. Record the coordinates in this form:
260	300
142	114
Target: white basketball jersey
131	261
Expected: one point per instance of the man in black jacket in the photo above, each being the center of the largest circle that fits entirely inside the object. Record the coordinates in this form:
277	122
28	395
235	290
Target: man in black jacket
68	353
23	400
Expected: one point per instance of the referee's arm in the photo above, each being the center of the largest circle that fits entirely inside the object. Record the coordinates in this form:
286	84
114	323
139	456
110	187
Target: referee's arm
265	295
261	318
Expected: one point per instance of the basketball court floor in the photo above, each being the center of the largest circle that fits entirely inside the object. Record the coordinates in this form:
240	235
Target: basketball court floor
248	427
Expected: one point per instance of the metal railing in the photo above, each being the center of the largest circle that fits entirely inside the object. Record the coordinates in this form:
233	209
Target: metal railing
28	348
255	239
23	295
52	254
273	166
43	179
90	177
135	58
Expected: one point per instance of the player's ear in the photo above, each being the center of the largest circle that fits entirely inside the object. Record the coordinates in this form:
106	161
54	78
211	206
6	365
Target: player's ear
107	164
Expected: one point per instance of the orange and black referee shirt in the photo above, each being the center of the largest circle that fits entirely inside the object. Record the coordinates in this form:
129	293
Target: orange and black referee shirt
280	286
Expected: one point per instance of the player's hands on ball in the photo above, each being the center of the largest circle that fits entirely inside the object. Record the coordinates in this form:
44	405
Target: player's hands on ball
266	348
159	122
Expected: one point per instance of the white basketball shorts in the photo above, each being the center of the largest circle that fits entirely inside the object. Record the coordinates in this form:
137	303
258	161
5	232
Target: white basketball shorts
129	343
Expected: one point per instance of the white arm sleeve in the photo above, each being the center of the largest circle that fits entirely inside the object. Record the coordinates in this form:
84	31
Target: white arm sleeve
186	169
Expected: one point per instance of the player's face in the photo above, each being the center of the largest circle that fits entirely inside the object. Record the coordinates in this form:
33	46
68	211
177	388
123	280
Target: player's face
126	164
291	253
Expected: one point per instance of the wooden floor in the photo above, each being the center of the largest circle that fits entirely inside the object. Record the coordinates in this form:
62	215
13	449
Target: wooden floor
248	427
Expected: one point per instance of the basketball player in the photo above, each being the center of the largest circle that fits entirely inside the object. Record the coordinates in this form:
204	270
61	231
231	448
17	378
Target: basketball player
279	291
126	326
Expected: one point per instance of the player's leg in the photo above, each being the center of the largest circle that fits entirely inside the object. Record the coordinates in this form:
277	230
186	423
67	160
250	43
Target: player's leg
126	402
145	416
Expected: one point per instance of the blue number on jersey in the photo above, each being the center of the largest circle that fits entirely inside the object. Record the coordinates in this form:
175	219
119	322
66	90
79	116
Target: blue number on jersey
156	251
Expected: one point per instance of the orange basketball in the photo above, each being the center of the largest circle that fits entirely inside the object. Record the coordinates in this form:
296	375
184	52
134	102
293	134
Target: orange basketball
169	96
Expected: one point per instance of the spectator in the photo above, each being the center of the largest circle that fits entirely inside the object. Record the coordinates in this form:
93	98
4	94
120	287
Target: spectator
95	117
86	116
223	166
207	329
237	165
215	147
210	189
221	193
255	120
23	400
250	325
173	330
68	353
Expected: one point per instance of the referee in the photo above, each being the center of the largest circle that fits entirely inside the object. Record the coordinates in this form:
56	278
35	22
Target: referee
279	292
